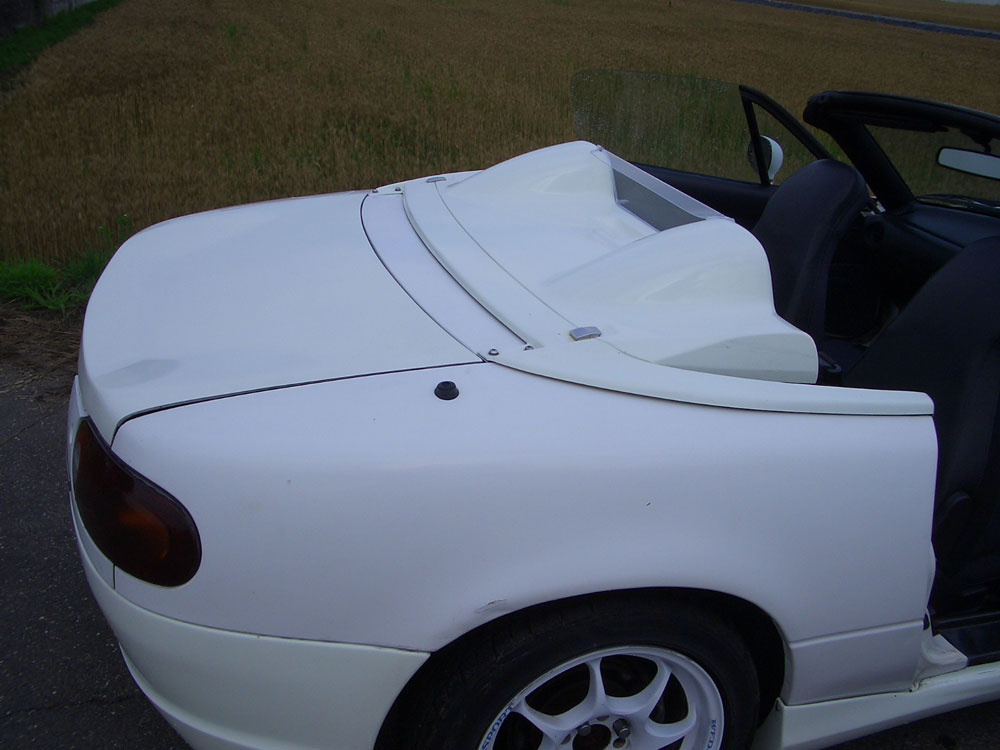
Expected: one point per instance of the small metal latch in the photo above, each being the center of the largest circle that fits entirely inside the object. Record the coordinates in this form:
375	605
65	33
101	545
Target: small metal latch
586	332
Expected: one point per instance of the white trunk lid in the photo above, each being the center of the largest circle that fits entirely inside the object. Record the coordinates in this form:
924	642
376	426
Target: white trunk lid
242	299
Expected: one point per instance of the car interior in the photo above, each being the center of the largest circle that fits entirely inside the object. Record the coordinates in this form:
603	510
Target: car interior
933	264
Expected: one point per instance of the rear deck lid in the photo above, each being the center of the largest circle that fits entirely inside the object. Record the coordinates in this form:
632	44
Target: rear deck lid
243	299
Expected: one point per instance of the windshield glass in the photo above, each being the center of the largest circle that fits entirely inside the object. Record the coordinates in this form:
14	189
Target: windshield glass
655	202
682	122
914	154
686	124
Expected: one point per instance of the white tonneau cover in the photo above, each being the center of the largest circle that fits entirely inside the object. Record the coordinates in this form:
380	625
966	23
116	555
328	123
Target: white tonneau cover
614	279
695	293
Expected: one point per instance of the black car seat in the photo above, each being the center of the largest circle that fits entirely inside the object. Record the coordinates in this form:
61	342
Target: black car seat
800	228
946	343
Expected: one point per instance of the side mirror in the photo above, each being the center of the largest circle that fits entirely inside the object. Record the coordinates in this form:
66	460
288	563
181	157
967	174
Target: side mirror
970	162
774	157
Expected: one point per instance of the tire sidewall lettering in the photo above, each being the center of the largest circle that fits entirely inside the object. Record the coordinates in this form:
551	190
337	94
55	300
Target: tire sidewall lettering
712	734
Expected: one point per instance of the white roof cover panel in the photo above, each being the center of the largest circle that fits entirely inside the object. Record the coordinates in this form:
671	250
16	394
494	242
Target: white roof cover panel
602	244
572	247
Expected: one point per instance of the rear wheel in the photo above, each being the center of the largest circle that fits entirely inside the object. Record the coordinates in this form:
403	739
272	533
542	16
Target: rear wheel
629	674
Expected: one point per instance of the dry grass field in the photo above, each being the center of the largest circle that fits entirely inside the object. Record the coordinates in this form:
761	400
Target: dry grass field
165	107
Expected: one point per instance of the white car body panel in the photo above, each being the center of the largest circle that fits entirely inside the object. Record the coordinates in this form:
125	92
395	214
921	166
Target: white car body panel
210	684
694	295
419	273
818	725
553	353
456	495
240	299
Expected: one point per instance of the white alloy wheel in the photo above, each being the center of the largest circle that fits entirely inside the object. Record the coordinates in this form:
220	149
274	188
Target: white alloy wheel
634	697
629	670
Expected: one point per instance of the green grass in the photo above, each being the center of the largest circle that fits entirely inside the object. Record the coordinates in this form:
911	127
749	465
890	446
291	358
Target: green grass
20	49
39	286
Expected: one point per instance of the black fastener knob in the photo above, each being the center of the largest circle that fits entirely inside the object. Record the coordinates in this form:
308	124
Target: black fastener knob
446	390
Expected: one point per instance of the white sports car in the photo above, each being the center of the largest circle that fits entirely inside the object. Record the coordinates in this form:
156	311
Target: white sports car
572	452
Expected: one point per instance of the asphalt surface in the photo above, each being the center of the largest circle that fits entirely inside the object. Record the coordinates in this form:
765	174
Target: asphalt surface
63	683
906	23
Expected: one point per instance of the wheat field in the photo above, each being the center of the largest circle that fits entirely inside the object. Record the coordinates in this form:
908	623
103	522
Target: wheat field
166	107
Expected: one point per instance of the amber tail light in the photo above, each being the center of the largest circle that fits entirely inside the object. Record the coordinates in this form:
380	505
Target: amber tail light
138	526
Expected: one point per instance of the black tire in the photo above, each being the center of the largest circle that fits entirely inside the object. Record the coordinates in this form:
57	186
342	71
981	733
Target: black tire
461	699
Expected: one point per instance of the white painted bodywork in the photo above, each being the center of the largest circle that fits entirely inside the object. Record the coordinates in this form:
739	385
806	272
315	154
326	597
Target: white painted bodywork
448	514
696	295
258	296
819	725
210	684
341	504
675	324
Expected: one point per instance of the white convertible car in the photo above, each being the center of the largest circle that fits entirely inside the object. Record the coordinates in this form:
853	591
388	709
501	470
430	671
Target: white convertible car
572	452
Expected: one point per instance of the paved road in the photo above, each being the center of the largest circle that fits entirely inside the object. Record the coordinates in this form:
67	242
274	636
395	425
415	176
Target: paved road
906	23
63	684
62	681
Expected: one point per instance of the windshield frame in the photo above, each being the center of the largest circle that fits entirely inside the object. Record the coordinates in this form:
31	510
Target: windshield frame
913	155
848	116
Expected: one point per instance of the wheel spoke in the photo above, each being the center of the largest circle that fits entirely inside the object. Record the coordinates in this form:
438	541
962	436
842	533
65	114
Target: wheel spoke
597	698
667	733
647	733
556	727
641	704
553	728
